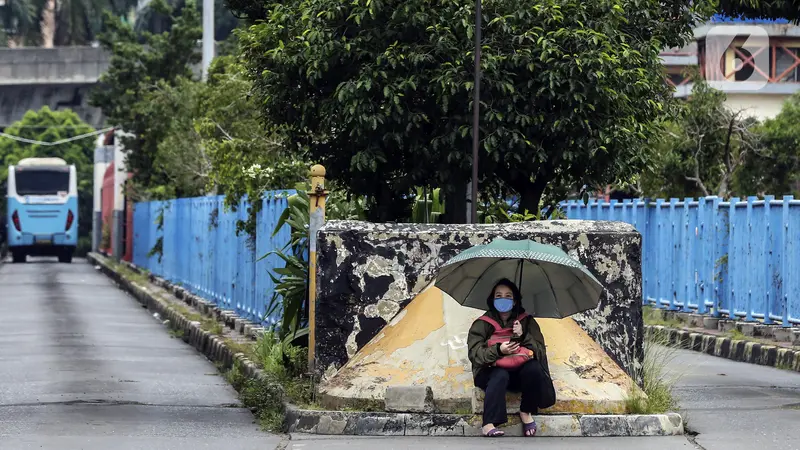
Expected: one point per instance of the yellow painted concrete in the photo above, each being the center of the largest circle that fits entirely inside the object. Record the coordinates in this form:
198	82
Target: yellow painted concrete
426	345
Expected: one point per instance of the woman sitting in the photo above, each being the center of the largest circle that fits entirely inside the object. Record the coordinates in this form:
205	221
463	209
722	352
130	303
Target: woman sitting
507	351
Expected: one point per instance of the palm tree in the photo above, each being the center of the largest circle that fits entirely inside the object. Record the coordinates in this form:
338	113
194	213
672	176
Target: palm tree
17	21
75	22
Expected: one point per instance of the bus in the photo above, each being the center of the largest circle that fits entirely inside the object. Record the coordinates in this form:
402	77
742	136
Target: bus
42	209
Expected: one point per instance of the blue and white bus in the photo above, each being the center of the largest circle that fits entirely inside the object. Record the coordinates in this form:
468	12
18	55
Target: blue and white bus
42	209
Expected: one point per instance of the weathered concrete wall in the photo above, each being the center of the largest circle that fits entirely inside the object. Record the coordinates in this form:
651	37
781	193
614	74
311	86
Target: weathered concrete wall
368	272
15	101
59	65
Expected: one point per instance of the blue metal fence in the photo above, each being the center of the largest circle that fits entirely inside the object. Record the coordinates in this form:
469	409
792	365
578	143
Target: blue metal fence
202	253
727	258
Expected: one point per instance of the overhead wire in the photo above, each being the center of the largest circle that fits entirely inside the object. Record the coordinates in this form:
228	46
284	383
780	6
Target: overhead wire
51	144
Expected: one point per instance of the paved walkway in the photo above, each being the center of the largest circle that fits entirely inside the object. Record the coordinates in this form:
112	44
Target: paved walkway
83	366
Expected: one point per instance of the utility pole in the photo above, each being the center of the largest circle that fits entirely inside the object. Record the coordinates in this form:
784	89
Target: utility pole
476	115
208	35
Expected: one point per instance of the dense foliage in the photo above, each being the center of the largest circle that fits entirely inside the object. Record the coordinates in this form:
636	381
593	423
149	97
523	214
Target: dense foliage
380	92
771	9
702	149
51	126
711	149
137	71
775	169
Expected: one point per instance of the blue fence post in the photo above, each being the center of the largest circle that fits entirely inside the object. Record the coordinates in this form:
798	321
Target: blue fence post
750	255
687	240
674	243
734	249
646	225
791	258
784	260
698	255
713	256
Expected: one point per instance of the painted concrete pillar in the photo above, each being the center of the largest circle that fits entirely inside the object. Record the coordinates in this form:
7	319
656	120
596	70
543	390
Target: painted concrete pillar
118	215
103	155
316	204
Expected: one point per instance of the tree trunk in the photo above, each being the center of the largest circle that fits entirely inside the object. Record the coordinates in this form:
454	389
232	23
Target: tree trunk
531	197
48	24
455	204
389	207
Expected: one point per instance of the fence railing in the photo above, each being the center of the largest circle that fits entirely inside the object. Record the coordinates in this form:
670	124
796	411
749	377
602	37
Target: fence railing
201	251
737	259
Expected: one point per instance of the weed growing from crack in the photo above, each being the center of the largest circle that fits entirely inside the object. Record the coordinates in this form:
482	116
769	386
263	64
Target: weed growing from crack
262	397
658	382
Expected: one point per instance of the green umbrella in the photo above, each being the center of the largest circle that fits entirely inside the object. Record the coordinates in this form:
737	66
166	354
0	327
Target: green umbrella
552	284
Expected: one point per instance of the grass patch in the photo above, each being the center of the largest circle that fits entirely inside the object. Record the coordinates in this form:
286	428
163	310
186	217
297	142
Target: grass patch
239	347
213	327
655	316
658	382
284	367
262	397
176	333
737	335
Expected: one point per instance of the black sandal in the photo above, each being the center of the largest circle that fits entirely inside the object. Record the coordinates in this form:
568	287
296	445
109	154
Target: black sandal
494	432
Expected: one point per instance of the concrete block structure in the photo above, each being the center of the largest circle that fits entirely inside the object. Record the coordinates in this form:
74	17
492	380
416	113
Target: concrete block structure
379	322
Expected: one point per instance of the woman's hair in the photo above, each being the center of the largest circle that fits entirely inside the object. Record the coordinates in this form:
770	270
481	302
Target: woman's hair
514	292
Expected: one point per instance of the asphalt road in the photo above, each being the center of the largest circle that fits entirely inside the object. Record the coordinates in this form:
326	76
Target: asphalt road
738	406
83	366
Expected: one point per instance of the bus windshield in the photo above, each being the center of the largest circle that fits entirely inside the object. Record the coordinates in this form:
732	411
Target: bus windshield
41	181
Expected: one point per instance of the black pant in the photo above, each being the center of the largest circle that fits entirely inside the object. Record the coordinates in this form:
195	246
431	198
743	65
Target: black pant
530	379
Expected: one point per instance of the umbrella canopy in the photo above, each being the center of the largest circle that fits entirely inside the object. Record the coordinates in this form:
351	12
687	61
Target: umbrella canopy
553	285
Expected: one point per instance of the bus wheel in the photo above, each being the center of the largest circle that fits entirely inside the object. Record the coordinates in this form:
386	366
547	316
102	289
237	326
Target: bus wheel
65	257
18	257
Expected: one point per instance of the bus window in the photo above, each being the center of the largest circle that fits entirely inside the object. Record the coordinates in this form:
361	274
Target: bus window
41	181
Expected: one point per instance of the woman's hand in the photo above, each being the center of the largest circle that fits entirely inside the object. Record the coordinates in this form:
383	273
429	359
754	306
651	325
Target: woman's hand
517	329
509	348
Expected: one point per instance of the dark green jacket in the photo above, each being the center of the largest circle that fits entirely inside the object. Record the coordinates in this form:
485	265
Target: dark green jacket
481	355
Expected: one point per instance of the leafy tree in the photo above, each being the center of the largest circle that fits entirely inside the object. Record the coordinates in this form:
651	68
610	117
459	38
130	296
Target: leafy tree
775	169
247	160
774	9
380	91
702	151
46	125
135	71
180	154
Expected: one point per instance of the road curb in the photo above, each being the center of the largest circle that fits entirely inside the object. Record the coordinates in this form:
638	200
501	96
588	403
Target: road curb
734	349
299	420
410	424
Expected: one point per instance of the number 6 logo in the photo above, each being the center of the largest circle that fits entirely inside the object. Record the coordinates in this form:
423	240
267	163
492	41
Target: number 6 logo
737	57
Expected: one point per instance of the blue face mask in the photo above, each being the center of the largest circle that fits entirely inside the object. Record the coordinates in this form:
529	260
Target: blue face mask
504	304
